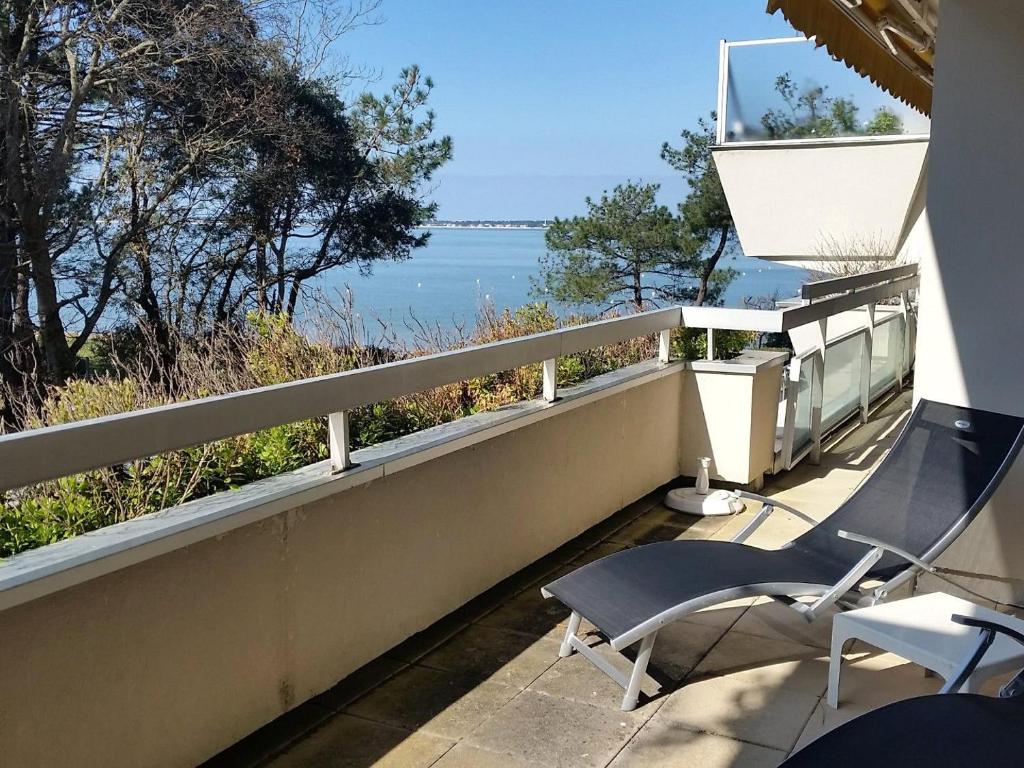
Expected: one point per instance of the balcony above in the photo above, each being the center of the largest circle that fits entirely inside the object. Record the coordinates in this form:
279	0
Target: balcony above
818	165
806	202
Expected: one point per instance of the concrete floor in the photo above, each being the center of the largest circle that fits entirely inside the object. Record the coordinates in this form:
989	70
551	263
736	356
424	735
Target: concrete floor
741	684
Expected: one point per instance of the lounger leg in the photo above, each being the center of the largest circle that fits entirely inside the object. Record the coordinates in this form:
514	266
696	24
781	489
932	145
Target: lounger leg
835	664
571	630
632	696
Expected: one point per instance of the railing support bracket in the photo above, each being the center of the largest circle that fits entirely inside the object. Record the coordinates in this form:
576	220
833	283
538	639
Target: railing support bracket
551	379
338	438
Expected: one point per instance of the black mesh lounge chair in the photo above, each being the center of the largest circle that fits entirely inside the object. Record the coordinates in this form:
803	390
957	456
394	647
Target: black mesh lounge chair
955	730
936	478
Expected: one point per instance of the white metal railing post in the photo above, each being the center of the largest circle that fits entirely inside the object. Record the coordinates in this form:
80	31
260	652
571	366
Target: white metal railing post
789	423
905	357
818	388
338	440
551	379
865	363
665	345
711	344
723	82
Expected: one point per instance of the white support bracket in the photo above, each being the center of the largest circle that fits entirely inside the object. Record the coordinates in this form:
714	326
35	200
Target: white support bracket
905	361
665	345
865	363
711	344
792	384
551	379
338	439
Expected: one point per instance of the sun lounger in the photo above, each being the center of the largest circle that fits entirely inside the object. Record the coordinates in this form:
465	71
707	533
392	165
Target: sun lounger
938	475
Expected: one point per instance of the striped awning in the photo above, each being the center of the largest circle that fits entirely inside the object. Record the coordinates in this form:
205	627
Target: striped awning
851	34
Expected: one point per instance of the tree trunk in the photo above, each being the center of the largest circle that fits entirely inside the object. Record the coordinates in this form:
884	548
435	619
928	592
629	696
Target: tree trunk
638	290
710	264
155	321
52	335
17	368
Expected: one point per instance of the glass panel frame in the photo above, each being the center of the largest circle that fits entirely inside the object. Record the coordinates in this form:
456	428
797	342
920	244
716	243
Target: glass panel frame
886	355
808	69
841	387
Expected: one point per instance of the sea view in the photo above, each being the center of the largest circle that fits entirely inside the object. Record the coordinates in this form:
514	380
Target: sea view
446	282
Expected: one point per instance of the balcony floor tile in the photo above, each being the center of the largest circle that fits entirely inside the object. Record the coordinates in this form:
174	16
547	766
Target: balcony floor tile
765	714
664	744
499	655
551	731
351	742
433	701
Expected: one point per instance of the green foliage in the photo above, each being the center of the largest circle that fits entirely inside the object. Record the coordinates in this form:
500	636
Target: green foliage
811	113
351	174
630	251
705	215
884	122
692	343
180	163
602	258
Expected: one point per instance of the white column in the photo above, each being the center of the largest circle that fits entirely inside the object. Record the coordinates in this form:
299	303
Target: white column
817	387
970	329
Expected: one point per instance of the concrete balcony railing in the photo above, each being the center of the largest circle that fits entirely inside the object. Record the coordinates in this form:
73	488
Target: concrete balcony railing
178	633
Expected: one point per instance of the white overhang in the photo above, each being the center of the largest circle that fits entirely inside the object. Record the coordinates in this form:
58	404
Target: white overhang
805	200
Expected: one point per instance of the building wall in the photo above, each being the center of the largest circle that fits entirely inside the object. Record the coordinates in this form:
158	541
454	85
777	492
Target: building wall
970	347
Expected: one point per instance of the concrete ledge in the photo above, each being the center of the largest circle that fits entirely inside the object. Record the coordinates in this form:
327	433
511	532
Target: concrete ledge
63	564
750	361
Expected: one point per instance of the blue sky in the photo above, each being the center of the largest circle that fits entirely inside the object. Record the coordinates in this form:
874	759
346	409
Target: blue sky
550	101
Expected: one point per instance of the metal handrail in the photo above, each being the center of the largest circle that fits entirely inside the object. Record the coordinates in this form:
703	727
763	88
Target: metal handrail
820	288
52	452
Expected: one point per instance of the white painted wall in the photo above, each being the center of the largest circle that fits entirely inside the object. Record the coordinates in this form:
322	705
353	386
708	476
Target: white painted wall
791	202
970	347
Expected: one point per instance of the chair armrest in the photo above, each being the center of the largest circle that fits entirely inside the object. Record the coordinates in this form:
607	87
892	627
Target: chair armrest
991	626
767	506
871	542
777	505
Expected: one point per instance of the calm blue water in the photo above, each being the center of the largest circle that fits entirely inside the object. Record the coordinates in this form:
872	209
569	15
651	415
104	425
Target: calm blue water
446	282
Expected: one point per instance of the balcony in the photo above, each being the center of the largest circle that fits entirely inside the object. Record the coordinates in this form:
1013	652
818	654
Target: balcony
742	684
196	626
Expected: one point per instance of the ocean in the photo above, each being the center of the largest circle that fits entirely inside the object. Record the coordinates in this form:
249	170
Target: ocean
446	282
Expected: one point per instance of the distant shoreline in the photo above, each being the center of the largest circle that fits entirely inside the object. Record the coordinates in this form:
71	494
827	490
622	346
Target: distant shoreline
485	225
